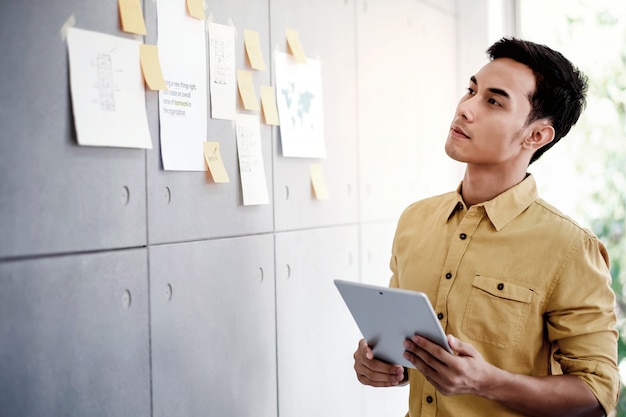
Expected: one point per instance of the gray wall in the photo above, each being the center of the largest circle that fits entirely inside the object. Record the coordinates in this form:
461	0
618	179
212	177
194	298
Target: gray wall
126	290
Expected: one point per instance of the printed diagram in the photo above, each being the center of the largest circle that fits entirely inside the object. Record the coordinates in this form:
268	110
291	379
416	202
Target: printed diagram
298	104
300	107
104	84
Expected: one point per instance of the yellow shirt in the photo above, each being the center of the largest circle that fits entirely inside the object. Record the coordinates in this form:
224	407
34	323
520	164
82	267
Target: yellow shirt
521	282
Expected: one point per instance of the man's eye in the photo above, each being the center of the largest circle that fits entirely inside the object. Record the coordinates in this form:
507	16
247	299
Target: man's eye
470	91
493	101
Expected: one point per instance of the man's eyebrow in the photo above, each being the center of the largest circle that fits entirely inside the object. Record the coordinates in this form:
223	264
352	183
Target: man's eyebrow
497	91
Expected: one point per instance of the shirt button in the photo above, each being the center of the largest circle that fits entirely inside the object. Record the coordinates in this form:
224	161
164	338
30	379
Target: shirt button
448	275
463	236
500	286
429	399
440	316
459	206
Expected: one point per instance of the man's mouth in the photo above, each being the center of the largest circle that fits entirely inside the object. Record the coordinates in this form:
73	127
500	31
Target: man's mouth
459	132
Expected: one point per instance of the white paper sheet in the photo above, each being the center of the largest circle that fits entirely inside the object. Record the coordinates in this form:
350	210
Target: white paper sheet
251	167
222	71
183	107
107	89
300	107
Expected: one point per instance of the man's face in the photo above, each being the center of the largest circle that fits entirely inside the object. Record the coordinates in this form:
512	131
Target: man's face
490	120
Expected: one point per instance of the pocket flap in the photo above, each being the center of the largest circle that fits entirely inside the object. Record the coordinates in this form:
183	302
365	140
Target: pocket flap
503	289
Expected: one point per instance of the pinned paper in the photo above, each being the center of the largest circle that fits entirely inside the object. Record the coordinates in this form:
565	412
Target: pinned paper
151	67
318	182
132	16
183	107
251	166
107	90
222	71
300	107
196	9
214	161
268	103
253	49
293	41
246	90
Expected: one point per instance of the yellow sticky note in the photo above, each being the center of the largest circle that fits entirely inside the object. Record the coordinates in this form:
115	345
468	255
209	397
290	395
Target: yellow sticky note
293	41
253	49
214	161
318	182
196	9
268	104
151	67
131	16
246	90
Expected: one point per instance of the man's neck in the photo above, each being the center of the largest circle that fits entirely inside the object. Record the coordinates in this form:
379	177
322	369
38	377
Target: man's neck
480	185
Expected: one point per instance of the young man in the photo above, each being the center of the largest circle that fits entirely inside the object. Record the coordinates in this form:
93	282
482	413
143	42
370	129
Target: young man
522	291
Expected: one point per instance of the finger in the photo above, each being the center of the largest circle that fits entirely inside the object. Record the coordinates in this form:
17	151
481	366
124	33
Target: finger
425	355
432	348
372	367
367	352
378	373
366	380
414	354
461	347
373	371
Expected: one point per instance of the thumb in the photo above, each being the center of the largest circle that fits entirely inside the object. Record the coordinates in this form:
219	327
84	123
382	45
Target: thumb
366	349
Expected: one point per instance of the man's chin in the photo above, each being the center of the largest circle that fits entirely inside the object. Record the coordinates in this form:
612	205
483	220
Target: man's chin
452	154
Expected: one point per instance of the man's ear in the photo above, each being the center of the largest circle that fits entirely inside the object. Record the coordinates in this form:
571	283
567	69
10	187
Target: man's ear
541	134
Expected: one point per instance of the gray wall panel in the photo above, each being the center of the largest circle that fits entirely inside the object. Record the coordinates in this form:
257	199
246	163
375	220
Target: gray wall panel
244	319
407	95
316	333
213	328
376	241
327	33
437	172
54	195
202	209
74	336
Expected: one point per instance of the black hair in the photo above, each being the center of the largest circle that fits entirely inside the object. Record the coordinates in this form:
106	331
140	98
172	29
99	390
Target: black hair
560	87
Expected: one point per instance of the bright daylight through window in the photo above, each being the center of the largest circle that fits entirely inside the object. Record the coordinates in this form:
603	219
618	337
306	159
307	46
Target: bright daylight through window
588	168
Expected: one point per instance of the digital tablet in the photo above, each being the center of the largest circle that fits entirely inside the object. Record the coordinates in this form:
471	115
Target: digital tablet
388	316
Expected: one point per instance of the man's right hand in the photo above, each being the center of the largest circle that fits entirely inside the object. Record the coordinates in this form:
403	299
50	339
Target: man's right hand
371	371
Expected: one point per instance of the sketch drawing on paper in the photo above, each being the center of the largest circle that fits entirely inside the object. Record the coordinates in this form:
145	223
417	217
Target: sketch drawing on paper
245	152
222	71
223	57
105	81
107	90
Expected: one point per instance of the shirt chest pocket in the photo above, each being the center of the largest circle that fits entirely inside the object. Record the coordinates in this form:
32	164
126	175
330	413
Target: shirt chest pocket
496	311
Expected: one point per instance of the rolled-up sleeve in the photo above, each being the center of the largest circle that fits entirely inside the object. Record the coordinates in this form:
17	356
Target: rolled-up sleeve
581	320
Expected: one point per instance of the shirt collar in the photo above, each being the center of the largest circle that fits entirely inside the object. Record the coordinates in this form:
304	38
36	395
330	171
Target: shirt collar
506	206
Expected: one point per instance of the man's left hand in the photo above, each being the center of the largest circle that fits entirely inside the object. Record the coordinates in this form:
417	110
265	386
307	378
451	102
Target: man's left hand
451	374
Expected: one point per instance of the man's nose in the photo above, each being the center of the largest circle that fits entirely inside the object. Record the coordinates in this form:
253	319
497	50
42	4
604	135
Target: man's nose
465	109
